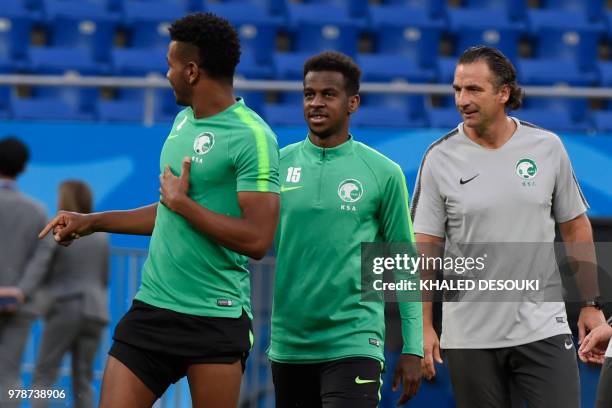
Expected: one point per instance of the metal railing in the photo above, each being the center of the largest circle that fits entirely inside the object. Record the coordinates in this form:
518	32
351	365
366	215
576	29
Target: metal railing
152	82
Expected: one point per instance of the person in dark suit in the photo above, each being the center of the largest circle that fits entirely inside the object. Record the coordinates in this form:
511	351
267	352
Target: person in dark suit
23	264
77	288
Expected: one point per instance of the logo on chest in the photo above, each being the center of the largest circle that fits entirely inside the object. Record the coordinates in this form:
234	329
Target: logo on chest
202	144
350	192
526	169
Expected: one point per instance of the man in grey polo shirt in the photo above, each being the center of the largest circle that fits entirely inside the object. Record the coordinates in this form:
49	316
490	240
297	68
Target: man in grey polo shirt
23	264
496	179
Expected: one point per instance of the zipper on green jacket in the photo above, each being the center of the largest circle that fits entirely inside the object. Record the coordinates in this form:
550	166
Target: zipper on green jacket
321	178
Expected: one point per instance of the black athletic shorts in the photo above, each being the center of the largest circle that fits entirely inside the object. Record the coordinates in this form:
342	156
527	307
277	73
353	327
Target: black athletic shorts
352	382
159	345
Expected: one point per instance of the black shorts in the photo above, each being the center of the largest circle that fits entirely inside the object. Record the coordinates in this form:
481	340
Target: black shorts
352	382
159	345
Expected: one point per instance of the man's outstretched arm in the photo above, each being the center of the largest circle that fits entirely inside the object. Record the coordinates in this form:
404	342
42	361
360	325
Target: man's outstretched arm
67	226
251	234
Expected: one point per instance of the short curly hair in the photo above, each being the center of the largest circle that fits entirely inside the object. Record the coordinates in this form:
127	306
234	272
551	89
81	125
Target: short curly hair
336	62
217	42
14	155
503	71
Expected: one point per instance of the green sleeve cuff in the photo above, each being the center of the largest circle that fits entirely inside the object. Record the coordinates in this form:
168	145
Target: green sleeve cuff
412	349
412	328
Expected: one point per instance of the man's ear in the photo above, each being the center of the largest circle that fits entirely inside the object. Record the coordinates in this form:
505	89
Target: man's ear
504	94
193	72
353	104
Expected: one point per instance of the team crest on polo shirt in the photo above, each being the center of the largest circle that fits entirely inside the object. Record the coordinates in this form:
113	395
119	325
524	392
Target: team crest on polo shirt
526	169
204	143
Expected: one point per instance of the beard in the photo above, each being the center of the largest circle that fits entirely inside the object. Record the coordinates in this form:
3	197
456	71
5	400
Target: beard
324	134
182	96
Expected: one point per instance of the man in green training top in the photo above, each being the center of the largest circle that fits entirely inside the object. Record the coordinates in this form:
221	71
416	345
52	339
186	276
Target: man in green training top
327	343
191	315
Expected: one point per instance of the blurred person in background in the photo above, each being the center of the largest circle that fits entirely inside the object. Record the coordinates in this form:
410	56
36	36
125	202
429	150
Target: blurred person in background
596	348
23	264
77	294
497	179
218	206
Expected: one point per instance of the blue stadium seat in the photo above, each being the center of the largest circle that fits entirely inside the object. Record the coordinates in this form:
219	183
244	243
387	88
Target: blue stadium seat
139	61
291	98
148	37
250	67
83	99
356	8
565	35
575	108
165	107
127	106
283	115
79	23
407	31
447	101
605	73
57	60
444	118
314	28
290	65
42	109
148	22
593	8
446	69
391	67
492	27
5	98
608	21
18	7
257	28
409	108
577	45
551	119
274	7
553	71
153	9
515	9
120	111
253	99
15	25
602	120
114	5
434	8
50	108
381	116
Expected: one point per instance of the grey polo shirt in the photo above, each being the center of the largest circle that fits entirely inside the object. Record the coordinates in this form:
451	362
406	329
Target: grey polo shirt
467	193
